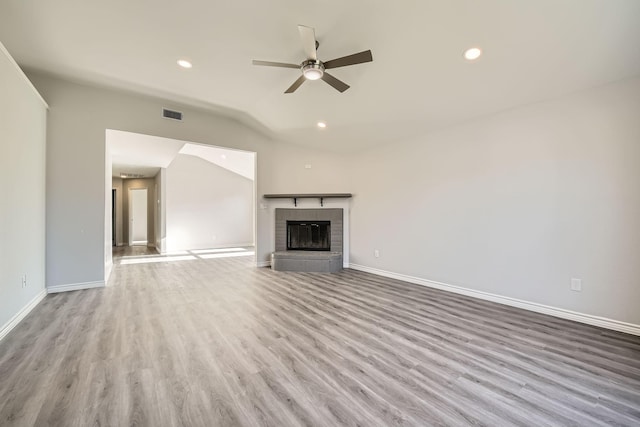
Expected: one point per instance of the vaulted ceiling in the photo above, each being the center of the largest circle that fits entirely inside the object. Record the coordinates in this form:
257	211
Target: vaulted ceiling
418	81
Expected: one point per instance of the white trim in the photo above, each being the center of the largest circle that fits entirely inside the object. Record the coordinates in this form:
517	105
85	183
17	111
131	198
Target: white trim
24	76
19	316
589	319
107	271
241	245
226	245
263	264
74	287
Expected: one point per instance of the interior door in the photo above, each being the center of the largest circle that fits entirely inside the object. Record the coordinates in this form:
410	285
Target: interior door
137	216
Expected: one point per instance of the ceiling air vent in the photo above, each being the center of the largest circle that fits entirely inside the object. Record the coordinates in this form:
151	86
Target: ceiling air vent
170	114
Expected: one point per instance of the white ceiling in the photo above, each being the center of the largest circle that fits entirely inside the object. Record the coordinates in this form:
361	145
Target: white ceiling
240	162
418	81
133	153
144	155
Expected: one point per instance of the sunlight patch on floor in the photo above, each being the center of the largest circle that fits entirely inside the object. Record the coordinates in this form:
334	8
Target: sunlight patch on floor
155	255
186	255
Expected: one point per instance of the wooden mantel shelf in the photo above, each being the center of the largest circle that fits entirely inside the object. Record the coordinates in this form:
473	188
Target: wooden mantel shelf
320	196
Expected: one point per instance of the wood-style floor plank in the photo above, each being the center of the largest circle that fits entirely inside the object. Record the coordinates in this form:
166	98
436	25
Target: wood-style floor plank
218	342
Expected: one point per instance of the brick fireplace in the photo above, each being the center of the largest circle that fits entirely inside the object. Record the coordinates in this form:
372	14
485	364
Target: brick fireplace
296	225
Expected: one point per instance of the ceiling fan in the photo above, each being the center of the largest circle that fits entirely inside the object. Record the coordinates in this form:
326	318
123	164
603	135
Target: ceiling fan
312	68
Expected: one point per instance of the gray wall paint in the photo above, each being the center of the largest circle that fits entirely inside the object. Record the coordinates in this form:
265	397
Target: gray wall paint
22	192
207	206
515	204
78	117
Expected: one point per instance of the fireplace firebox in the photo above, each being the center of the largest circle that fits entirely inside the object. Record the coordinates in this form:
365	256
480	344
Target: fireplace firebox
309	235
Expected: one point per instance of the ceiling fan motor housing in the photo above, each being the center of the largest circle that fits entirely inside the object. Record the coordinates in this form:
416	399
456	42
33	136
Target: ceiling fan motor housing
312	69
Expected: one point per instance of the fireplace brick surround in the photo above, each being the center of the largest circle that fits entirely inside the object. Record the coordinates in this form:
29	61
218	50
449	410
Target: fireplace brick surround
308	261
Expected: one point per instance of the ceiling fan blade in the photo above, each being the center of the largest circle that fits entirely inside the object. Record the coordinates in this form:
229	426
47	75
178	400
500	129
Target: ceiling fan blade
308	36
356	58
295	85
339	85
275	64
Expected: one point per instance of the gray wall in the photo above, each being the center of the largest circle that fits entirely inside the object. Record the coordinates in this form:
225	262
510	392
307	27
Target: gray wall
22	190
207	206
515	204
76	201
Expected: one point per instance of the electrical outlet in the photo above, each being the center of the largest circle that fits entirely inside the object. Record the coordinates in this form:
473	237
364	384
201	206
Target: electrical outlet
376	253
307	166
24	281
576	285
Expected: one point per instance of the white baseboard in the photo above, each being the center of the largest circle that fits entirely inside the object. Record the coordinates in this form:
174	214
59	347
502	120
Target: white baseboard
589	319
263	263
74	287
13	322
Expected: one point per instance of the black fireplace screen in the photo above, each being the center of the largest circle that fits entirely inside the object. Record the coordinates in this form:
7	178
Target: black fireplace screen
309	235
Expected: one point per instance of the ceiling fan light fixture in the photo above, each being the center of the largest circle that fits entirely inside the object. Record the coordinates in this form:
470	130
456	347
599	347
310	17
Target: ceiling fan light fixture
312	70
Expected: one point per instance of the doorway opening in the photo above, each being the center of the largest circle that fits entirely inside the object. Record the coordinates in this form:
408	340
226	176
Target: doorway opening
113	218
138	217
199	197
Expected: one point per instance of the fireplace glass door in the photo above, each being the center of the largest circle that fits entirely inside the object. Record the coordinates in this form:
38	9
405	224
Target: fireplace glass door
309	235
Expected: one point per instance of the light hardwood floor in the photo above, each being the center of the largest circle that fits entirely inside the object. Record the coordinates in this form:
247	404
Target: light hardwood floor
217	342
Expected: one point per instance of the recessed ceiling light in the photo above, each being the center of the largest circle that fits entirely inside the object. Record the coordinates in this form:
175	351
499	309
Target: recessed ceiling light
184	63
322	125
223	156
472	54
